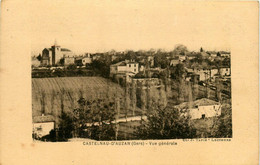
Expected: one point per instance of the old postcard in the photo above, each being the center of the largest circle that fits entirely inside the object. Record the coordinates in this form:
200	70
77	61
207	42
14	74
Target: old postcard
129	82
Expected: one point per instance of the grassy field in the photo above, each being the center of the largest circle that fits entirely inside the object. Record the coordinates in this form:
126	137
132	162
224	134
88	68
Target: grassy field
49	93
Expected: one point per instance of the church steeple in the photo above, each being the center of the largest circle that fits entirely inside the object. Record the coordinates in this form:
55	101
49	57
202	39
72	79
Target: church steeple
55	43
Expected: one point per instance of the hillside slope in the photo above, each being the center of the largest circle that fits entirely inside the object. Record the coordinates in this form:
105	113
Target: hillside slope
49	95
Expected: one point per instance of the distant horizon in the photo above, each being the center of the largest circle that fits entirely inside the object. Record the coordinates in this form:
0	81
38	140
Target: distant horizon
80	51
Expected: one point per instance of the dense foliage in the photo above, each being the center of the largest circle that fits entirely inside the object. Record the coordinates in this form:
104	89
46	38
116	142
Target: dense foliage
165	123
93	119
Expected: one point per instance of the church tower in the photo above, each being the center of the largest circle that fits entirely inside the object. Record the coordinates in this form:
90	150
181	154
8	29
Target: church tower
56	53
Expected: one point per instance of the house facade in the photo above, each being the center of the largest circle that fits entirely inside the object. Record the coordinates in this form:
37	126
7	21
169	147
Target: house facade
225	54
204	74
69	61
175	61
200	109
42	125
83	60
124	69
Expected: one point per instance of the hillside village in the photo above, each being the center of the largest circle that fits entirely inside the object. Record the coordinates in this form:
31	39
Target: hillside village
195	85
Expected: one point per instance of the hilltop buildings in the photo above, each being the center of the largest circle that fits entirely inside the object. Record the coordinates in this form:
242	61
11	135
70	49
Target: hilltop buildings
63	56
52	56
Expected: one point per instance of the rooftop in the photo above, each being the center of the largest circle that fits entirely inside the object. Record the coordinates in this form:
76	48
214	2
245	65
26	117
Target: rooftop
65	50
43	119
200	102
123	63
62	49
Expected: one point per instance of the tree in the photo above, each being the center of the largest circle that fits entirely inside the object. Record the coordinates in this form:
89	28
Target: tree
180	50
101	66
39	57
165	123
66	127
83	121
131	55
127	99
62	61
43	102
223	125
177	72
160	60
72	67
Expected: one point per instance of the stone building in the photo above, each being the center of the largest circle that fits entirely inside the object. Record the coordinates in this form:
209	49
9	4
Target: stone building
52	56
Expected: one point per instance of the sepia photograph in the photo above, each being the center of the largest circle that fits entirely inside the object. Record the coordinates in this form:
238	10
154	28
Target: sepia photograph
129	82
131	95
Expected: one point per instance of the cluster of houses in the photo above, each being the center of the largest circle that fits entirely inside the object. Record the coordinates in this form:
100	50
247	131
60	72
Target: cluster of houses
55	55
208	74
127	70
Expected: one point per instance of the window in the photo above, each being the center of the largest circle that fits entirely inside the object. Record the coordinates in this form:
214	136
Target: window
226	69
135	70
130	65
135	65
203	116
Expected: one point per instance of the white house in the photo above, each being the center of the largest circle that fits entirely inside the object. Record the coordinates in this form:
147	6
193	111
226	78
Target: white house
225	71
182	58
87	59
202	108
83	59
124	69
42	125
204	74
225	54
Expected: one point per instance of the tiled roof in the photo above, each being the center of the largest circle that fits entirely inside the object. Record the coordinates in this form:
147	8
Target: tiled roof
200	102
121	63
43	119
204	102
224	52
65	50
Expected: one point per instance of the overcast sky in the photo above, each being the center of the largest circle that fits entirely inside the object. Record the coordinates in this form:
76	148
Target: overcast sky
97	27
